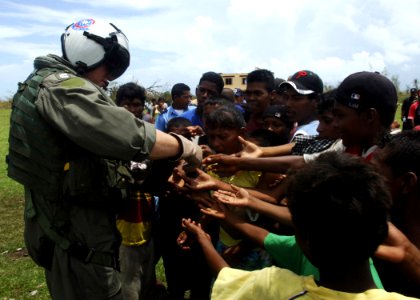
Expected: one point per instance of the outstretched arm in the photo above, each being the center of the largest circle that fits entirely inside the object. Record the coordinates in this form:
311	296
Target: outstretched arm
398	249
214	260
279	164
241	197
231	221
251	150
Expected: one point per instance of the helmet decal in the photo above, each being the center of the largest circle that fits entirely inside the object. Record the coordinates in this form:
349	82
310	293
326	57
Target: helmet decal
83	24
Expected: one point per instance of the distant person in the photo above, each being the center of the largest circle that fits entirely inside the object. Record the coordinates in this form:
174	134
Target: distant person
210	85
405	108
302	92
132	97
239	100
228	94
181	98
259	88
414	112
275	119
278	98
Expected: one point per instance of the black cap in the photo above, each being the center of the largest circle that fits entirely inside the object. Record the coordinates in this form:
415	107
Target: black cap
305	82
279	112
365	90
413	90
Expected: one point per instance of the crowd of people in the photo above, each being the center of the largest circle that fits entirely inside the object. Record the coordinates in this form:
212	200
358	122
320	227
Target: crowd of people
280	191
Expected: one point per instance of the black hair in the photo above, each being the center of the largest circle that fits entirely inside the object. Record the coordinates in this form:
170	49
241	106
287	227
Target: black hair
226	116
326	102
178	122
339	206
266	138
262	75
277	82
215	78
219	101
178	89
130	91
402	153
228	94
279	112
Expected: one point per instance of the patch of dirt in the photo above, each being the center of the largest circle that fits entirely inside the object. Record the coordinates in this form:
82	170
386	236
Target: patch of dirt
16	254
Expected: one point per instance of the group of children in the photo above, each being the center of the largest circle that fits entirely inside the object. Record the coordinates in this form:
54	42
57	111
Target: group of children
302	194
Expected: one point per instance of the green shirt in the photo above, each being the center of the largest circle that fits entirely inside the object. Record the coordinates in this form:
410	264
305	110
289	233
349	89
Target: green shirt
288	255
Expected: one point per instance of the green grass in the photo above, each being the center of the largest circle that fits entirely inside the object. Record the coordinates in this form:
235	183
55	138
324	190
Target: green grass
19	276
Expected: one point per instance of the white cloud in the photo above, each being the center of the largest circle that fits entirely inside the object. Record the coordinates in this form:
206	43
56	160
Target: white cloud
176	41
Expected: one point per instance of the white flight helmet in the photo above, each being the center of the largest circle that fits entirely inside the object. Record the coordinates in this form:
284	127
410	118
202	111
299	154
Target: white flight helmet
89	43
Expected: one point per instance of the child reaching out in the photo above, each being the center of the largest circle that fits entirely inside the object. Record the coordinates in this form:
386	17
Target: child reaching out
339	207
223	126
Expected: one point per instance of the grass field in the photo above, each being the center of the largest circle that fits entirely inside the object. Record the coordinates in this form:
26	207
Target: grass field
20	278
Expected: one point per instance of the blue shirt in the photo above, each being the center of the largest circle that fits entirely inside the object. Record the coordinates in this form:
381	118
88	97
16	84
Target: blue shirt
193	117
168	114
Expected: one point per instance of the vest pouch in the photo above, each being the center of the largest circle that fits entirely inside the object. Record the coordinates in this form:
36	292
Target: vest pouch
84	181
40	247
118	175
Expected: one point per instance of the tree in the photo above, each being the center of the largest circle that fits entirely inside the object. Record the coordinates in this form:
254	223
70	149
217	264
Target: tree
396	81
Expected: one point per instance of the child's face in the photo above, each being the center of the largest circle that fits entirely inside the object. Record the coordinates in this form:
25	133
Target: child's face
135	106
224	140
257	97
351	125
327	127
300	108
276	125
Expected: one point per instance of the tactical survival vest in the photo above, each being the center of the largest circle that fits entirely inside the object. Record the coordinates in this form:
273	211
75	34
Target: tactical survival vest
31	161
39	158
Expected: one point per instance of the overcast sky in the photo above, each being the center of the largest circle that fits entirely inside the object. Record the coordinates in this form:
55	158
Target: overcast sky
176	41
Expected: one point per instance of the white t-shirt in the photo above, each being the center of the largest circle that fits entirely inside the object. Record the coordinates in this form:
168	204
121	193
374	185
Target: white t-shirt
307	129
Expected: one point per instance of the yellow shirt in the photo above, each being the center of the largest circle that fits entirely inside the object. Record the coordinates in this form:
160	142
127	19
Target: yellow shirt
244	179
275	283
135	219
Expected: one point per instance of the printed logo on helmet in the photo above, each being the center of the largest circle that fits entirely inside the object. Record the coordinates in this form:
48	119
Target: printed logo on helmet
83	24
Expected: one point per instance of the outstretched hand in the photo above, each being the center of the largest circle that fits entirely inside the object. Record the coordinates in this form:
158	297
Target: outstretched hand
202	181
221	163
216	210
195	229
195	130
240	197
249	150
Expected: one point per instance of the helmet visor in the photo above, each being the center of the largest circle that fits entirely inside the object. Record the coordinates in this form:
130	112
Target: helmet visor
117	57
117	60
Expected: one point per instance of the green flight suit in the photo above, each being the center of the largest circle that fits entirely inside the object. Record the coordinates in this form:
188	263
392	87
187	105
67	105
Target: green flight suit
95	130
